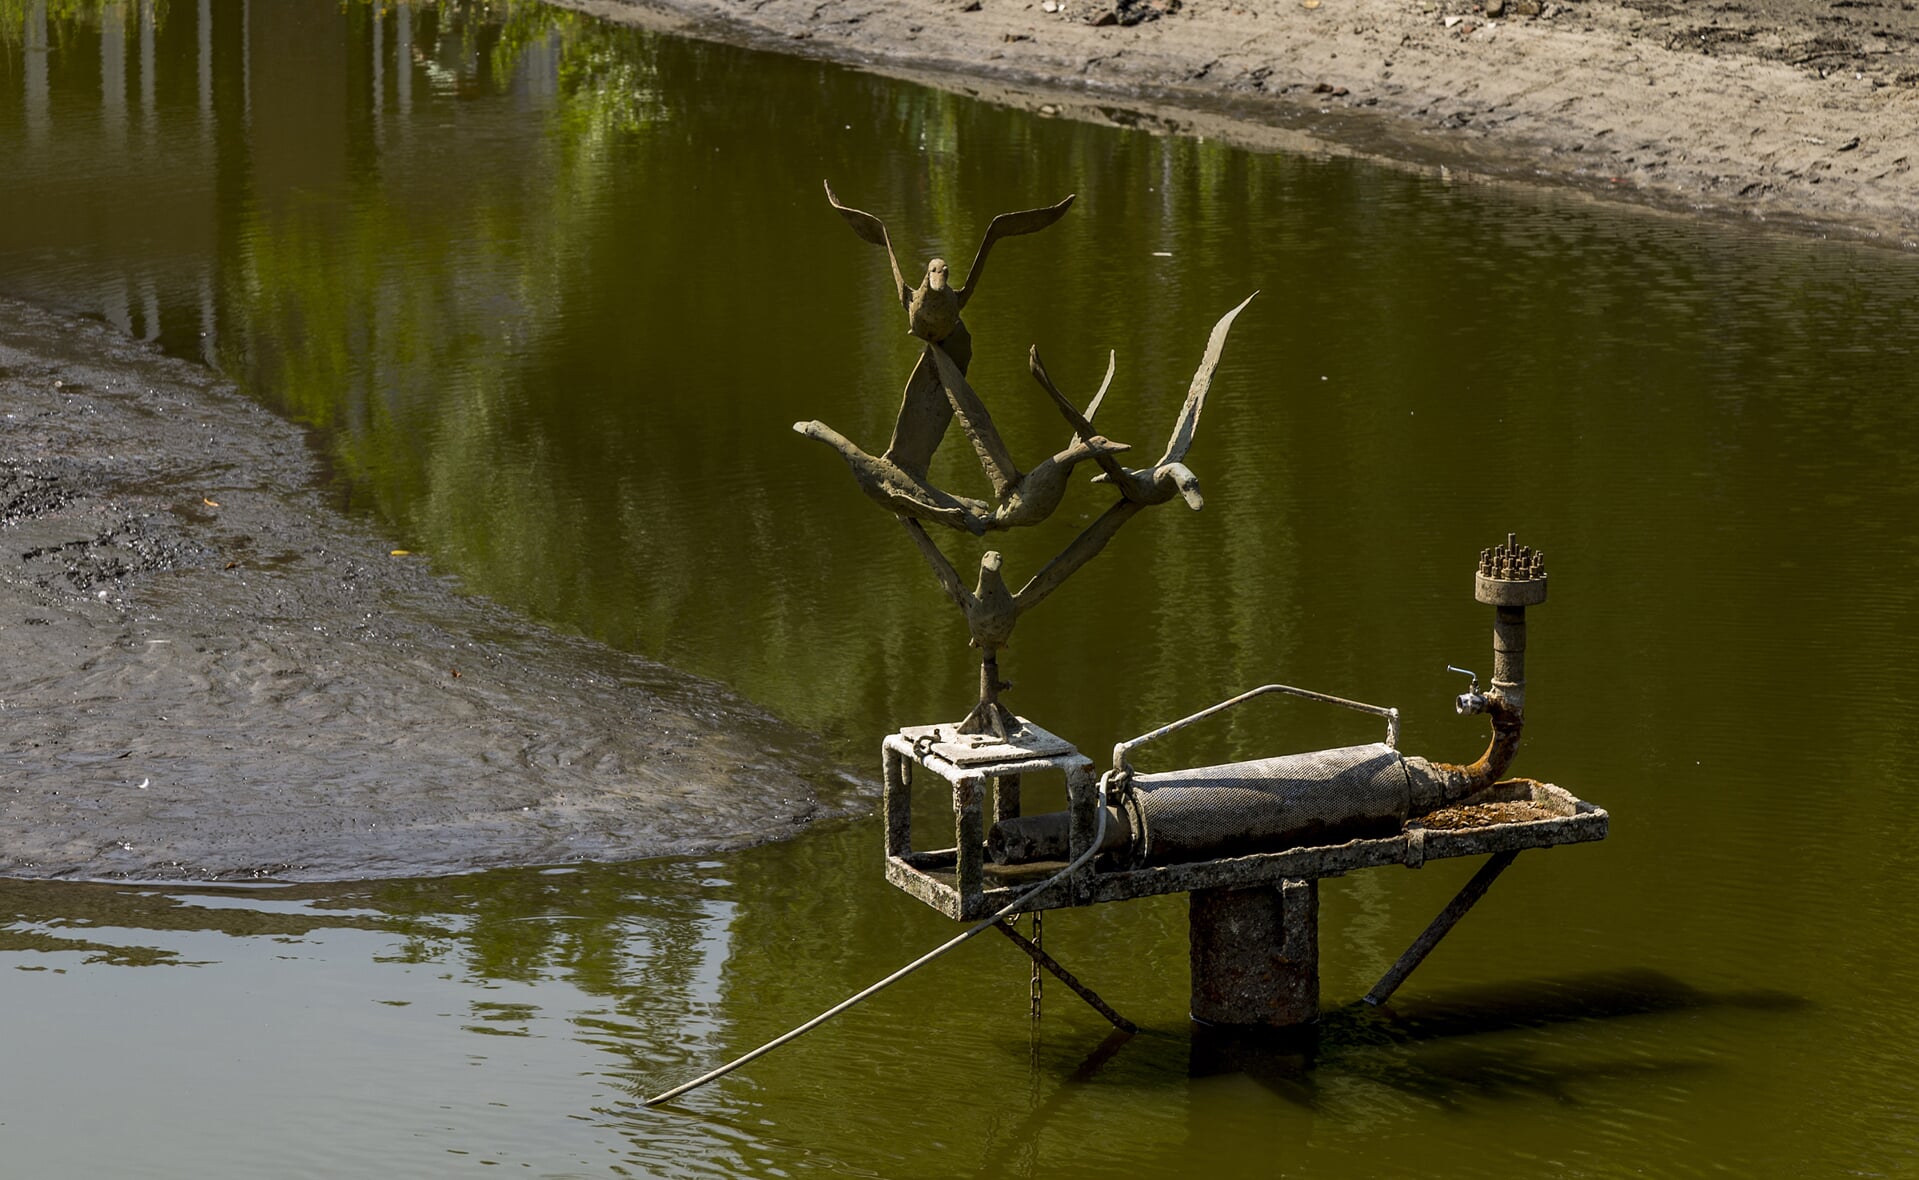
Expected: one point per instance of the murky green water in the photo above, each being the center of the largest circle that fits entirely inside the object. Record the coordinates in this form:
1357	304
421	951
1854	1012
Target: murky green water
551	293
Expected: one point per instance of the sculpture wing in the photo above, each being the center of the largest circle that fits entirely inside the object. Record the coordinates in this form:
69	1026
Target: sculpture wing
1112	361
1188	423
1082	424
1006	225
872	229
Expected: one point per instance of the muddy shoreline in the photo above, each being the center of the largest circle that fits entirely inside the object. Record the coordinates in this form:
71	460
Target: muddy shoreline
1799	115
211	674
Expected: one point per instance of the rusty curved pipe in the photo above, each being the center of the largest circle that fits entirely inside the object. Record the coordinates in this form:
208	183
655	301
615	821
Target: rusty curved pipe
1436	784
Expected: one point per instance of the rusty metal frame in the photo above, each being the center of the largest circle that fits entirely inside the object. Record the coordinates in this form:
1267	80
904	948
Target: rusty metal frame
957	882
953	880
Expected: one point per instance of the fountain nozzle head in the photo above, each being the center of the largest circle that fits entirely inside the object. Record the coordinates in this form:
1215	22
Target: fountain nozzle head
1510	575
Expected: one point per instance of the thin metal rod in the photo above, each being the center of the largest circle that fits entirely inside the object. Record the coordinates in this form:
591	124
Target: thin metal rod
1391	715
1042	959
1455	909
1009	909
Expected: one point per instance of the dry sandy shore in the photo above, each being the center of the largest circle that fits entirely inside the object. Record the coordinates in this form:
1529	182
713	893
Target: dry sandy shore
1800	113
211	674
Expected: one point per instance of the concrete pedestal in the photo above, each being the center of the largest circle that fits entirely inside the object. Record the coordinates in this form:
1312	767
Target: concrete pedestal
1255	954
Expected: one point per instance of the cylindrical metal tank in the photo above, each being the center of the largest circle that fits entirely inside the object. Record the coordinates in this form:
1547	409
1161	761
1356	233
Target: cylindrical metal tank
1325	796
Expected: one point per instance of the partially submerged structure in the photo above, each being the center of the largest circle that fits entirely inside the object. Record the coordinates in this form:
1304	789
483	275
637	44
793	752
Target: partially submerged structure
1249	840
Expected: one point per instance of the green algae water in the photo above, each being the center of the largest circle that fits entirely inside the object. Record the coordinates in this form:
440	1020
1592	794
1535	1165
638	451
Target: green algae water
549	294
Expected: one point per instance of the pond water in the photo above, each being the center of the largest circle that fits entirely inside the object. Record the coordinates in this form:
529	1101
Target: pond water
549	294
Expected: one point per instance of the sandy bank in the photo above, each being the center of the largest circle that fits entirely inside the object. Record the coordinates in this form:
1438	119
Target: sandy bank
1800	113
210	673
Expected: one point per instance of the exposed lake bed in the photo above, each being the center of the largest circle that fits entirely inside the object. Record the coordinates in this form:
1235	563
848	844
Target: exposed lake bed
1801	113
212	674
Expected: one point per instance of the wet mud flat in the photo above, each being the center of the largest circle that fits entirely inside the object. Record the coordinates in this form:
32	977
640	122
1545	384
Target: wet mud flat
1803	114
210	673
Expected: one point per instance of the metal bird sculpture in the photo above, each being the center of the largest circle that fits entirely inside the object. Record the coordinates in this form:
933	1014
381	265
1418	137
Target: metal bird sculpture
933	314
899	491
1022	497
1170	476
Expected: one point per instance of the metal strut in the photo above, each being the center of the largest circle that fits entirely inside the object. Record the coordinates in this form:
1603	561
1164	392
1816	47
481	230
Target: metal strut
1449	917
1042	959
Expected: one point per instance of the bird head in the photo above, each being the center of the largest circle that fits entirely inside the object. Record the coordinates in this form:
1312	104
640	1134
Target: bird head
936	274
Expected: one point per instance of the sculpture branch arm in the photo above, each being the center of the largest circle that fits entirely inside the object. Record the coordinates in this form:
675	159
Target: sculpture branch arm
1082	424
1188	423
943	570
977	422
872	229
1007	225
1081	550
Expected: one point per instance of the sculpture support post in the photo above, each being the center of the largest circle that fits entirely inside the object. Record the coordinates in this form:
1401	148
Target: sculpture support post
989	716
1255	954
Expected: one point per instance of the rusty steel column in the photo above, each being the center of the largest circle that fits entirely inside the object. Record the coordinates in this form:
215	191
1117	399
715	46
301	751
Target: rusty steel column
1255	954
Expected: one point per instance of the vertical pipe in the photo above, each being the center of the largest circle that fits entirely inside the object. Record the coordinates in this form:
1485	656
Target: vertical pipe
1509	654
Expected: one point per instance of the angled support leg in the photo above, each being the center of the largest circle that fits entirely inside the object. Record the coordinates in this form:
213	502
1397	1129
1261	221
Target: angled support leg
1066	977
1443	924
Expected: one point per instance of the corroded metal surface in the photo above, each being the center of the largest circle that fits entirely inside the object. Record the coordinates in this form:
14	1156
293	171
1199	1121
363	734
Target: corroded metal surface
1510	578
952	879
1249	840
1025	742
1212	811
946	880
1576	822
1270	804
1255	954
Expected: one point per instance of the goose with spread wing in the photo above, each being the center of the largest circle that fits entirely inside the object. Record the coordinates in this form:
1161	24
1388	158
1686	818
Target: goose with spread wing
933	314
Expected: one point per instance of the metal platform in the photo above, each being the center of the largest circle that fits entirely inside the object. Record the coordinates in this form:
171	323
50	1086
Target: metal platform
959	882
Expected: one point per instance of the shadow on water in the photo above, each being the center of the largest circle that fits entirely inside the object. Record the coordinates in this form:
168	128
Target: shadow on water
1441	1051
1419	1048
1538	1003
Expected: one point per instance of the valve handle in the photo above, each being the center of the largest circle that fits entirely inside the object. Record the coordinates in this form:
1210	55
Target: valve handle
1471	702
